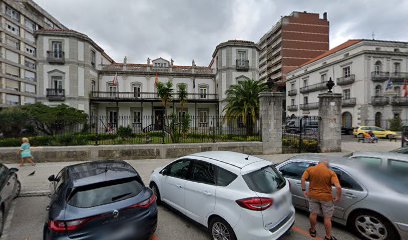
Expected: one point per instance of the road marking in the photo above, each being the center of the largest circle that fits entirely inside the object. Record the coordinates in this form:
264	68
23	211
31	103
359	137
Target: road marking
303	232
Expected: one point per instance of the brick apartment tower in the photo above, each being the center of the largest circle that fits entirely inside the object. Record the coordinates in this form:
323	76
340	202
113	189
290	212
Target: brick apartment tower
294	40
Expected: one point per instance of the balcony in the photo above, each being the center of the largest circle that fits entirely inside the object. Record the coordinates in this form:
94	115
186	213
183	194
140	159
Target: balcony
148	97
314	87
346	80
242	65
309	106
292	108
56	57
396	77
379	101
350	102
292	92
399	101
54	94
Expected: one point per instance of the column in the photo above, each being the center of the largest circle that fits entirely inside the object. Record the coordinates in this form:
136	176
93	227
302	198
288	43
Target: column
271	121
330	124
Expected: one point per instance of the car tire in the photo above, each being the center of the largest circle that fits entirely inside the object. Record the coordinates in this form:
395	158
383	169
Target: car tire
220	229
363	224
156	192
18	189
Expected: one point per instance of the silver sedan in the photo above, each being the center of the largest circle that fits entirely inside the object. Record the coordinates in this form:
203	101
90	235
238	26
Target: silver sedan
374	201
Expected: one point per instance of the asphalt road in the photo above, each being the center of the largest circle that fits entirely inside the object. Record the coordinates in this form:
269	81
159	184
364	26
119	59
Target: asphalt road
28	214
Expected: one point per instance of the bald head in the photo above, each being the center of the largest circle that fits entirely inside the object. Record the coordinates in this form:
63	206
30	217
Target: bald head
325	162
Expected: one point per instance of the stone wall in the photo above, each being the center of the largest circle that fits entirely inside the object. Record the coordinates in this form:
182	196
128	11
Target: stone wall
126	152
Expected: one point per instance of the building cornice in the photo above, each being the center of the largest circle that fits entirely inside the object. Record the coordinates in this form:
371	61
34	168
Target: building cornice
235	43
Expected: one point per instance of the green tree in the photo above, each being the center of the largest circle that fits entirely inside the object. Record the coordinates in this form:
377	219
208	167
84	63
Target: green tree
53	120
243	102
165	93
396	123
13	120
182	94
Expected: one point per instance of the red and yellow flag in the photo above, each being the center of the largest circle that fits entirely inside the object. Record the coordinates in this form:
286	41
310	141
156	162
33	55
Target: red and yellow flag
156	80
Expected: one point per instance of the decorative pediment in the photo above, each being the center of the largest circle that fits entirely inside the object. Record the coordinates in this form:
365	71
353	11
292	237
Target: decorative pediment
160	62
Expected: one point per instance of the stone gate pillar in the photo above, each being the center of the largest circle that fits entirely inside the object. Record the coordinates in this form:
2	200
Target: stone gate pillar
271	120
330	124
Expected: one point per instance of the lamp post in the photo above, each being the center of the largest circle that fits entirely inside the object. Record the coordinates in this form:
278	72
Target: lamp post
330	85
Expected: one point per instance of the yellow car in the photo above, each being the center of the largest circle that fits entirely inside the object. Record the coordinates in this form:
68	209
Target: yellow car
378	132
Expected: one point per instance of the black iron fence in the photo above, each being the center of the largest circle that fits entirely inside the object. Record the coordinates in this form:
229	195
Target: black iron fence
301	134
138	129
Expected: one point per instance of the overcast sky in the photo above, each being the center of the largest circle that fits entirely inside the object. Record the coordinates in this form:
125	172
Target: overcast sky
191	29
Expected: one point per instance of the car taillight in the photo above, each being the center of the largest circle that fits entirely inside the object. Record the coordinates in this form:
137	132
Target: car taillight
145	204
65	226
255	203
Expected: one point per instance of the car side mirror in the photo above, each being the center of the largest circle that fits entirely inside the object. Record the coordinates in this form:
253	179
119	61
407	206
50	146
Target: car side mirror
51	178
164	172
13	170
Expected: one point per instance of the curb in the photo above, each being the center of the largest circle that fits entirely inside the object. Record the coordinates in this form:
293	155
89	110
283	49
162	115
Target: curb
34	193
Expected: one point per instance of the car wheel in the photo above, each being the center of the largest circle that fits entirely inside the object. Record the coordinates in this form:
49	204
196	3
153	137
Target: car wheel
18	189
220	230
372	226
156	192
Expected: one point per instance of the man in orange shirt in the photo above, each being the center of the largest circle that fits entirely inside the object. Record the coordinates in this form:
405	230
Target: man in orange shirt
321	201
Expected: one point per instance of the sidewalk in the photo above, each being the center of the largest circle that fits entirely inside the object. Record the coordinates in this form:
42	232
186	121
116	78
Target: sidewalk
38	184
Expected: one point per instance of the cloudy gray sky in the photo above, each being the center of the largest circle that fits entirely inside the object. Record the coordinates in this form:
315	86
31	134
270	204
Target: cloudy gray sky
191	29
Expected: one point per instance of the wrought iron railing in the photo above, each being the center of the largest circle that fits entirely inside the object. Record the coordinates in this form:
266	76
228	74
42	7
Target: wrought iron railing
309	106
292	92
242	64
56	57
314	87
135	96
346	80
292	108
350	102
399	101
379	100
55	94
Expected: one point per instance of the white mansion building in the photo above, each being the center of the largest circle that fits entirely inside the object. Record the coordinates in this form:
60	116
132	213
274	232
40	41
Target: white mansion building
361	70
74	70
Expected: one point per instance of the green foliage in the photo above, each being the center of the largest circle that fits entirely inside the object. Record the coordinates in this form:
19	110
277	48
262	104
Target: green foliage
308	145
13	120
182	94
395	124
243	102
125	132
165	92
179	126
53	120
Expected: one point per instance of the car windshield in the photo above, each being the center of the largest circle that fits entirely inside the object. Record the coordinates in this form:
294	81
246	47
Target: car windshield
265	180
104	193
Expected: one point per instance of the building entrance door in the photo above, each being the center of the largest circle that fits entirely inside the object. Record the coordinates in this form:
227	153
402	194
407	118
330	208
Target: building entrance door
159	119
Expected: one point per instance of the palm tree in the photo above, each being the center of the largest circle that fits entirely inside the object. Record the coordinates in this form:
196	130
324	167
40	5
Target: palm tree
182	94
243	102
165	93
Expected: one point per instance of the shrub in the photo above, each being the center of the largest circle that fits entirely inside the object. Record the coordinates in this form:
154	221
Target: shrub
10	142
395	124
125	132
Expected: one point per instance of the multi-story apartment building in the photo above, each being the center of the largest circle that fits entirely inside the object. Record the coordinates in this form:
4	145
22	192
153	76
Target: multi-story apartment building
292	41
18	51
233	61
361	70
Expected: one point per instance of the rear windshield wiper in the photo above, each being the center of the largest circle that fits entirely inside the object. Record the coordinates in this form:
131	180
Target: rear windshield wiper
282	184
121	196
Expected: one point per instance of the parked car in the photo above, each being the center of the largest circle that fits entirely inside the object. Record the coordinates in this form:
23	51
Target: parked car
403	150
235	196
10	188
372	198
378	132
382	159
100	200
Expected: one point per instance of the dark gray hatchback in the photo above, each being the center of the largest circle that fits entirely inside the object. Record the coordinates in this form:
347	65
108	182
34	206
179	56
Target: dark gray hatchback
100	200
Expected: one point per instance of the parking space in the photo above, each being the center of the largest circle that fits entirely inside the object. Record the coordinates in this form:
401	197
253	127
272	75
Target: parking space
28	214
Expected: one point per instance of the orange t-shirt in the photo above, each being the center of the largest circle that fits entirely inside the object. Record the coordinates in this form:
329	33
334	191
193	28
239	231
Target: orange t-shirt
321	179
366	135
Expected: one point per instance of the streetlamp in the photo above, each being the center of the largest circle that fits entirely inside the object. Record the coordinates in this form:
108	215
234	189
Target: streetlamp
330	85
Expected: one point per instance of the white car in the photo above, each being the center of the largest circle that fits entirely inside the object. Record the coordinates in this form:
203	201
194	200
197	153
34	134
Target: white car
235	196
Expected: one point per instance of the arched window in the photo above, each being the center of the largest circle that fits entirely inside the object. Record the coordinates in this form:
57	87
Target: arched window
378	90
346	120
378	67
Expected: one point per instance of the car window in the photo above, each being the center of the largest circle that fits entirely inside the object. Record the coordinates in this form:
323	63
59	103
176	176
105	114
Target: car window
265	180
295	169
179	169
104	193
346	181
377	129
365	128
60	179
3	174
203	172
398	166
224	177
372	161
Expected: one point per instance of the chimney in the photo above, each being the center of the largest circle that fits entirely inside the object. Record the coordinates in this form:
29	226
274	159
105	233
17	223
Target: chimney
325	15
